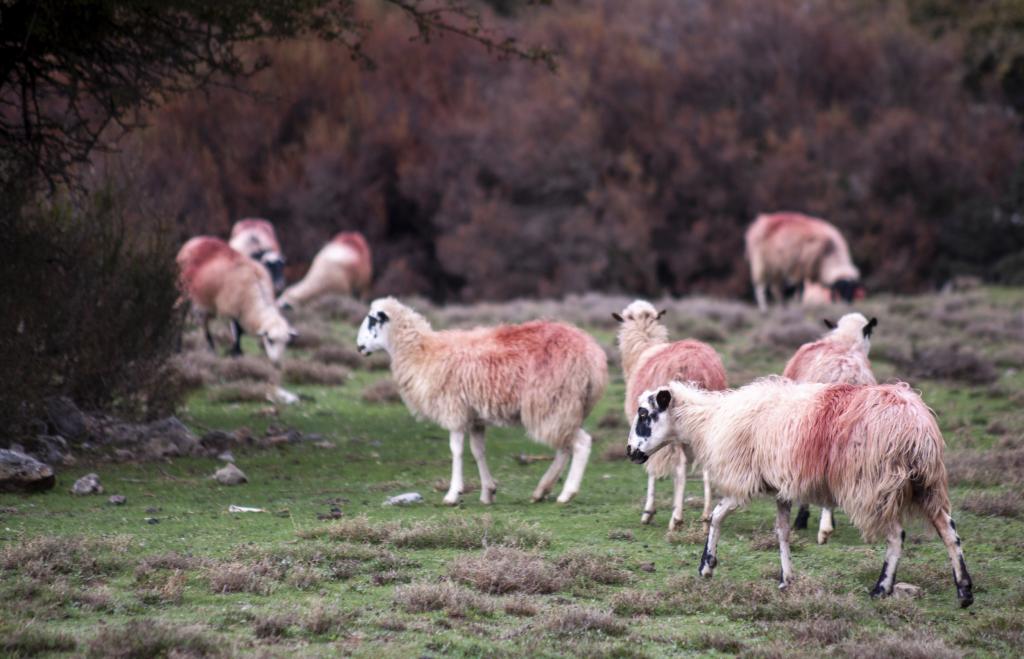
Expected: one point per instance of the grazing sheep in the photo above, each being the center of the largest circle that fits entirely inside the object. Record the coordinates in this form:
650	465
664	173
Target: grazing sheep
648	359
875	450
220	281
841	356
257	239
546	376
343	266
786	250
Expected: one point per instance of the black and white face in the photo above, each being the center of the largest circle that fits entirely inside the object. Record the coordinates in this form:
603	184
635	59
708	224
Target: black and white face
651	429
274	263
373	333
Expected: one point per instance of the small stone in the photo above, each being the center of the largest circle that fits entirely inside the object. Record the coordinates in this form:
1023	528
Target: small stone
152	520
117	500
152	510
226	456
906	591
88	484
647	567
229	474
324	444
124	455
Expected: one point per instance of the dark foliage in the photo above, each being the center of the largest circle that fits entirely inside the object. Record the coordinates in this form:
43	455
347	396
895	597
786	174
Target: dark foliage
636	169
87	310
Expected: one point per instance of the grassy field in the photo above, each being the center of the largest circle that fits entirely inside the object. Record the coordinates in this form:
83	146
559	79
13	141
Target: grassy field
173	572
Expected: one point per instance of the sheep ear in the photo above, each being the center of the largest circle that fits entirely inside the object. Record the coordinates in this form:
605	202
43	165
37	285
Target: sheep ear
293	333
663	398
616	316
870	327
828	323
382	317
662	312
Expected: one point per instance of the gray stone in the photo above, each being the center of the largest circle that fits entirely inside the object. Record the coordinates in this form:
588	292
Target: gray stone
226	456
88	484
51	449
906	590
229	474
117	500
66	419
23	473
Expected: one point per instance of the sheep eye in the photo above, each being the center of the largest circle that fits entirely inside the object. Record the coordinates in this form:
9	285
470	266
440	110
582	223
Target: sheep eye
270	341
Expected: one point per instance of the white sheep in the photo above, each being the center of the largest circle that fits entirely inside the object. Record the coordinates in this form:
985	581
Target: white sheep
220	281
546	376
875	450
786	250
344	266
649	359
257	239
841	356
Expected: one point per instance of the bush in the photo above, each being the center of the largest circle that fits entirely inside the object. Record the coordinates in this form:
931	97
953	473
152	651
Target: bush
88	308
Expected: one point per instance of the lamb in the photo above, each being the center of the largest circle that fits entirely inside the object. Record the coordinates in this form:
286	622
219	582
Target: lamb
343	266
546	376
220	281
787	249
257	239
840	356
875	450
648	359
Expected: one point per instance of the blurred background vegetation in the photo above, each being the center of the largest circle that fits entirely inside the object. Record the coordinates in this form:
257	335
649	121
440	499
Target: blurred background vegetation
631	163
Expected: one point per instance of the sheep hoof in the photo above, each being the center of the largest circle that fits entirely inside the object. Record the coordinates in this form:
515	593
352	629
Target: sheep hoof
823	537
451	500
674	524
538	496
647	516
565	498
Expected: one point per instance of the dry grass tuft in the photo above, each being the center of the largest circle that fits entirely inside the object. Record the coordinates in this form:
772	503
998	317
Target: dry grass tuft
32	639
520	606
326	619
340	307
239	392
151	638
819	631
169	590
614	451
621	534
580	620
339	355
459	533
900	645
311	335
500	570
986	468
382	391
43	557
237	578
612	420
948	361
632	602
1003	504
171	560
273	625
457	602
245	367
718	642
584	567
303	372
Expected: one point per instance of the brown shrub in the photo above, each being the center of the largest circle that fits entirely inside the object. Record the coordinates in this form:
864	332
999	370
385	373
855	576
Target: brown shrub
632	602
455	533
324	619
245	368
151	638
239	392
31	639
166	591
584	567
500	570
1003	504
520	606
339	355
43	557
949	361
457	602
917	644
273	625
303	372
986	468
719	642
311	335
578	620
237	578
171	560
382	391
819	631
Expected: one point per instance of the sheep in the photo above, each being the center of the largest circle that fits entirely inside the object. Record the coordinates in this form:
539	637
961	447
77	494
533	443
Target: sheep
344	266
219	280
875	450
545	376
257	239
815	295
787	249
648	359
840	356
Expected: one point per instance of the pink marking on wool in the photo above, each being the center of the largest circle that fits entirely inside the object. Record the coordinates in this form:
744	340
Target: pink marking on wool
198	253
685	361
827	432
255	225
363	268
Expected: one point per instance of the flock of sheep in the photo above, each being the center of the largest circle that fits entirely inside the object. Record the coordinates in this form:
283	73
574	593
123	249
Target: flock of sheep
824	432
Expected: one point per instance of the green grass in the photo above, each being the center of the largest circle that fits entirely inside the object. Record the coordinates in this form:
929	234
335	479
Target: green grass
382	582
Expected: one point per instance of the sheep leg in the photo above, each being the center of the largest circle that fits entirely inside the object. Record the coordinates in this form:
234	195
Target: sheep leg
825	527
204	320
802	516
778	294
782	531
946	527
551	475
709	559
487	485
892	557
679	486
455	441
705	517
236	335
580	455
761	294
649	510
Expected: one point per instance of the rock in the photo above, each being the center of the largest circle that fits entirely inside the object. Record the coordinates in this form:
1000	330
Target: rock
906	590
404	499
124	455
647	567
152	520
226	456
66	419
51	449
324	444
117	500
169	438
88	484
152	510
23	473
229	474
